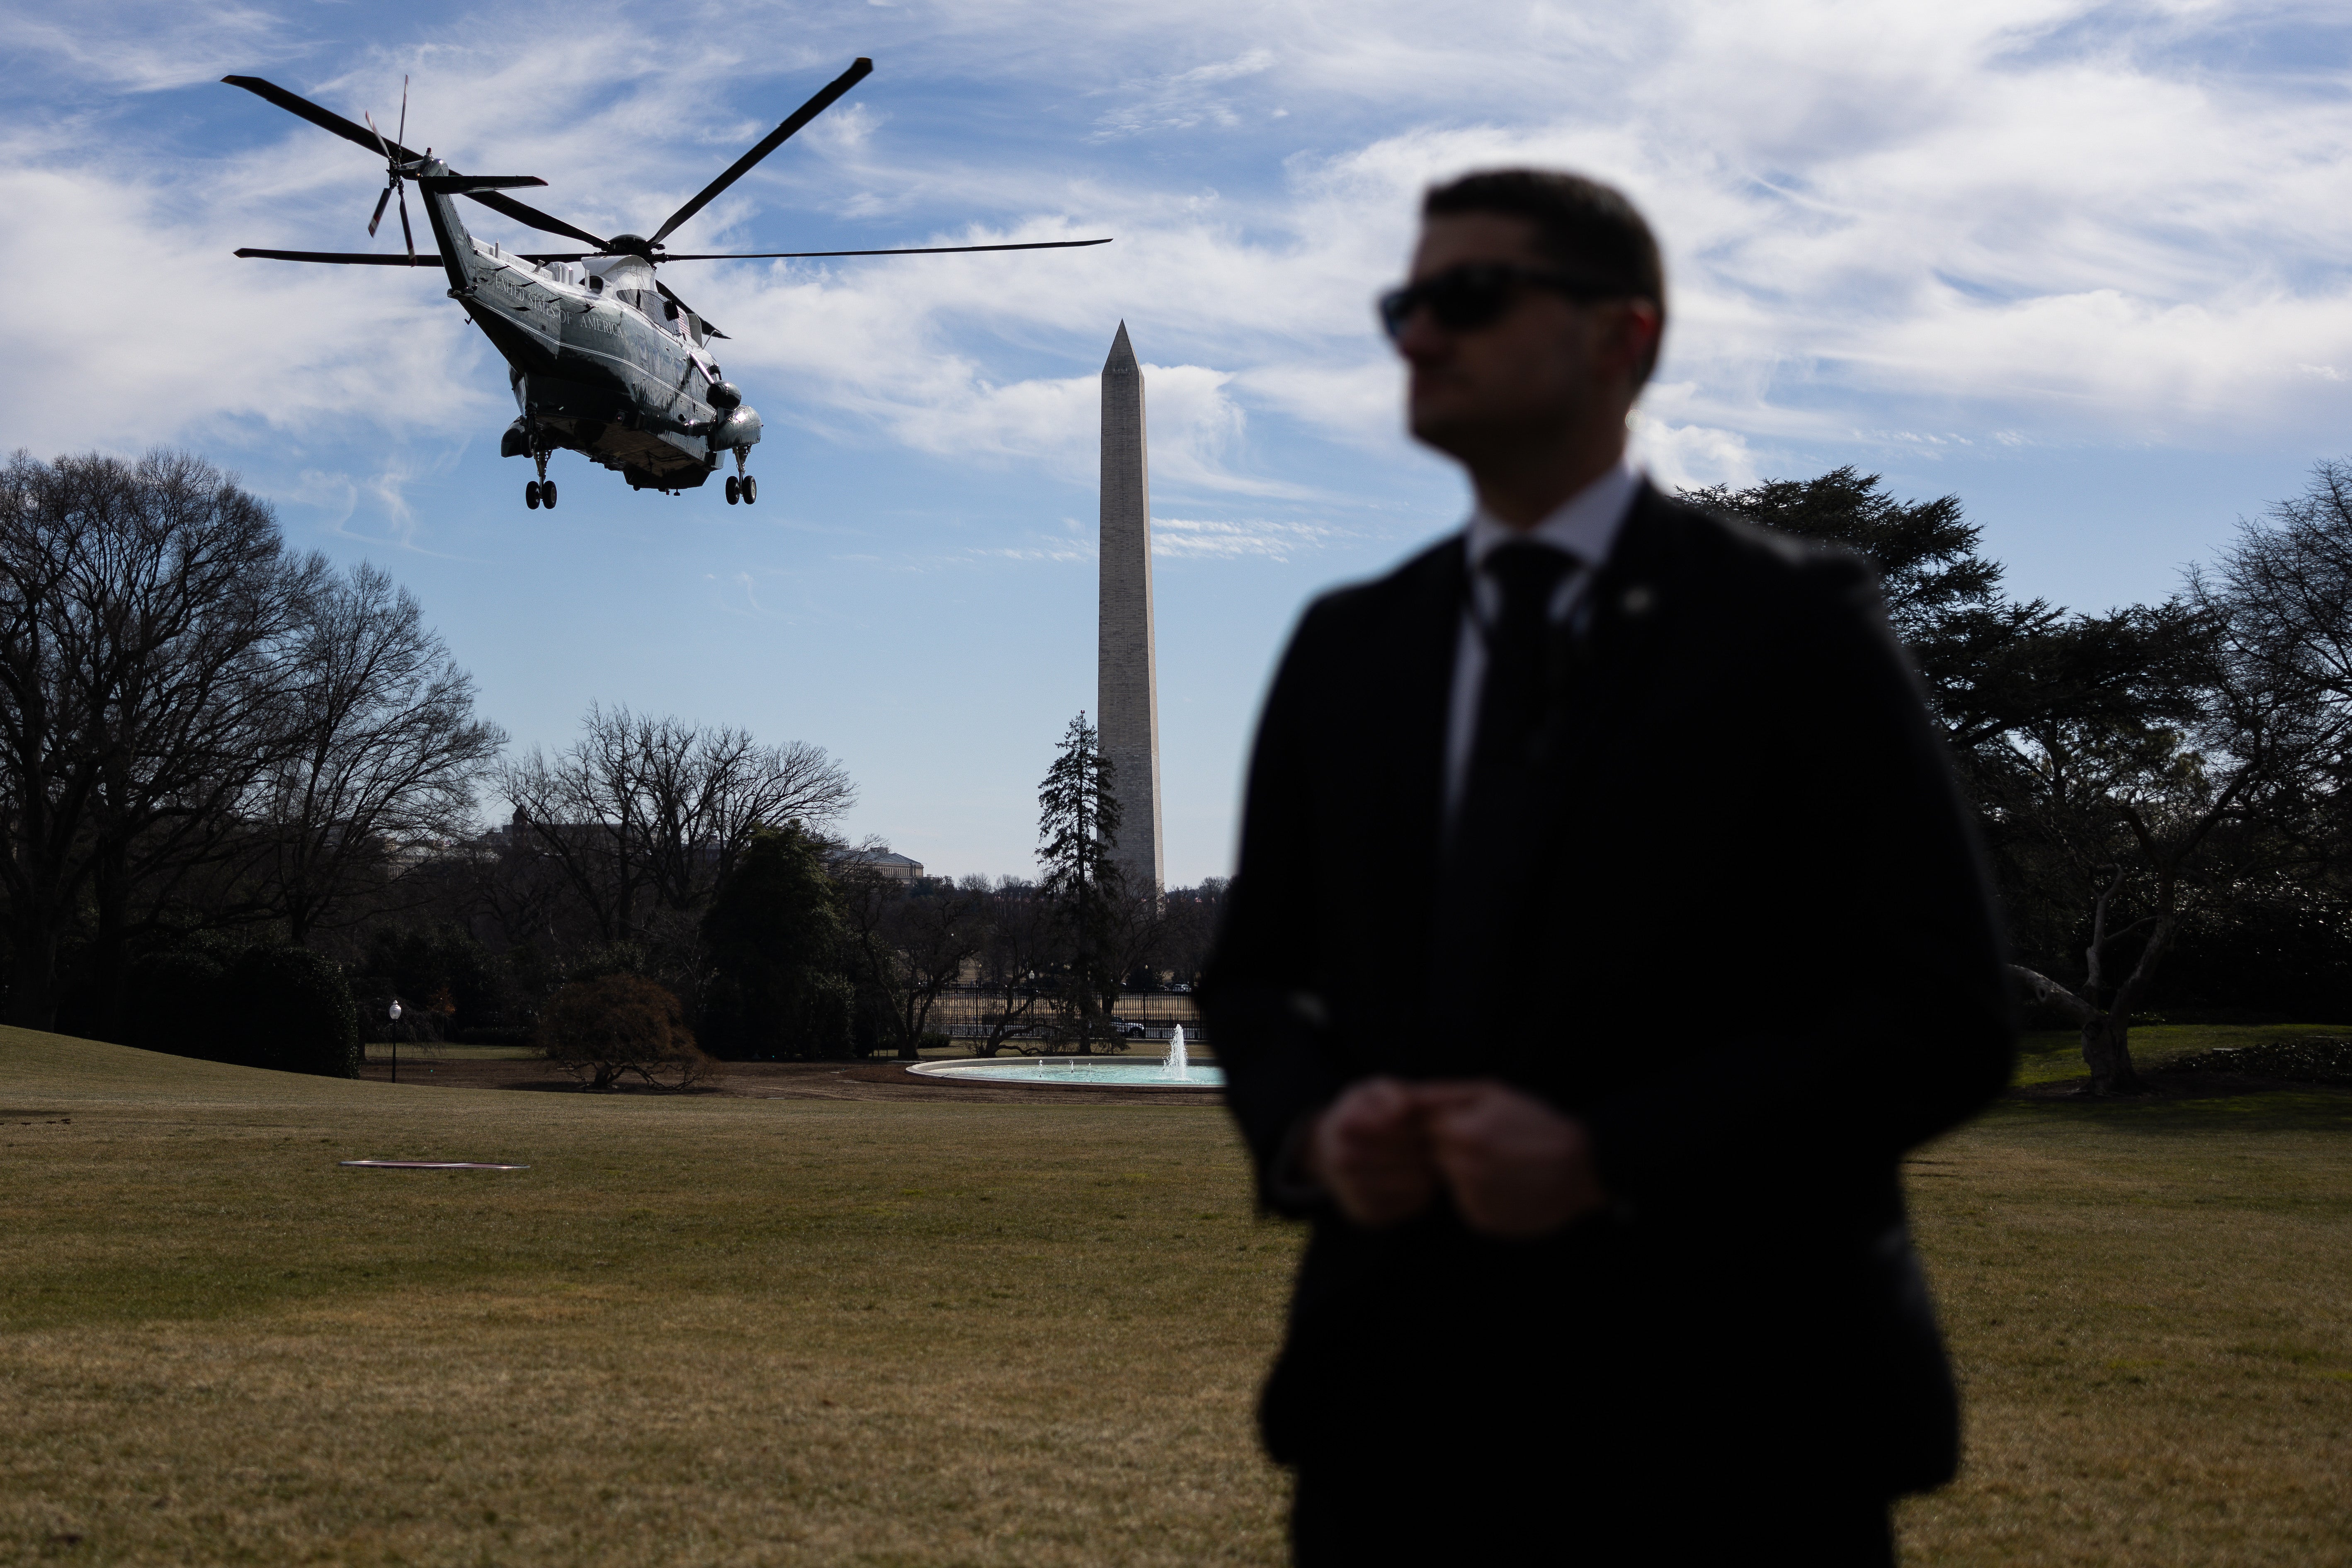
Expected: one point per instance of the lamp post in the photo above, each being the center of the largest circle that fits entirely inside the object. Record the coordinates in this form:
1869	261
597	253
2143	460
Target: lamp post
392	1013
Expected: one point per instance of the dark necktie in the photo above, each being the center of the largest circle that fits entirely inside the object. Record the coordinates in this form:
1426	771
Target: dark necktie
1511	702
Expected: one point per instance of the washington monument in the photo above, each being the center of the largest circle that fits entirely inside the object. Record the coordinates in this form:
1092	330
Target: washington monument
1128	699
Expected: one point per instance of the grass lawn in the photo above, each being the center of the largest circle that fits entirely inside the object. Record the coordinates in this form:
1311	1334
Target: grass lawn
697	1329
425	1055
722	1330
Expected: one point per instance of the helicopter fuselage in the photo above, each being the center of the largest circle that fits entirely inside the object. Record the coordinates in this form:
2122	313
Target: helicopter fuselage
602	361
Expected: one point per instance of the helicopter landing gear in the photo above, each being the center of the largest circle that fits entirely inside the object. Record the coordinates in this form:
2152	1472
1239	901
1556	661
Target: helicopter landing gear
746	485
750	490
734	490
541	491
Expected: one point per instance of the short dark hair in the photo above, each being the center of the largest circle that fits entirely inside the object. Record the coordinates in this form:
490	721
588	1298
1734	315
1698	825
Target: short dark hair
1585	226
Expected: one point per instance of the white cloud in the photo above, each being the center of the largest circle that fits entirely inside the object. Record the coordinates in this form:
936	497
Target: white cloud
145	48
2028	219
163	335
1179	538
1683	456
1180	101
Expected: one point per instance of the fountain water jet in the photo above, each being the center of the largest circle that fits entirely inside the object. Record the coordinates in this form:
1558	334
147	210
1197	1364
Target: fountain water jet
1172	1071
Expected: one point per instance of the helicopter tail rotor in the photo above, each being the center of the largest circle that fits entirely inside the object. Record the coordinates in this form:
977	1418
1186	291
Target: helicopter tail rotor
393	184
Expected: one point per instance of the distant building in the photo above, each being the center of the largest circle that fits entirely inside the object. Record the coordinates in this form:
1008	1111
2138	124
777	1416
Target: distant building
882	863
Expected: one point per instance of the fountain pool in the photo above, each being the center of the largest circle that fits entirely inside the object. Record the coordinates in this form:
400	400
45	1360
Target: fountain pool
1174	1071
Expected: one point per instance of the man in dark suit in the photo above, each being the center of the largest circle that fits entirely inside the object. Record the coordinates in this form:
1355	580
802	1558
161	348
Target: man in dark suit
1606	929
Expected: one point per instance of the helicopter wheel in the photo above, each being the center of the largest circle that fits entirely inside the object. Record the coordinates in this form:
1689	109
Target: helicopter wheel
734	490
530	495
750	490
547	494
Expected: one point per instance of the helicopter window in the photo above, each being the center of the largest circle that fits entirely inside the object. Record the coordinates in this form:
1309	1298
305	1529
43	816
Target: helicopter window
596	284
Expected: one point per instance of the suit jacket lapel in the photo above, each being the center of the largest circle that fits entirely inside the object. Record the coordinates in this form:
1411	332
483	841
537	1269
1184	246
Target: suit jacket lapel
1603	658
1429	638
1419	684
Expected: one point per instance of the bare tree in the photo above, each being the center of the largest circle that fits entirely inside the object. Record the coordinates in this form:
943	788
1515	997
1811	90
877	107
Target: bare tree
912	943
386	750
143	608
646	815
1019	945
1190	927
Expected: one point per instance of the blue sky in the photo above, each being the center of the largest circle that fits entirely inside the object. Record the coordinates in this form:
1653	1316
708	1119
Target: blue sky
2084	265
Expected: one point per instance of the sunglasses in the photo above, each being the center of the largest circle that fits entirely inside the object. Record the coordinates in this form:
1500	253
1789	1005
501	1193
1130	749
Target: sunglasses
1475	294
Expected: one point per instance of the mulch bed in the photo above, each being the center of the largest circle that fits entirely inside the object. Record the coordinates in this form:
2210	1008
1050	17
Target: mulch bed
2314	1060
792	1080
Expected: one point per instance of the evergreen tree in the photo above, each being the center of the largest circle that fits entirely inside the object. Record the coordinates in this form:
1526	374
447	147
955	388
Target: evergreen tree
1077	826
775	942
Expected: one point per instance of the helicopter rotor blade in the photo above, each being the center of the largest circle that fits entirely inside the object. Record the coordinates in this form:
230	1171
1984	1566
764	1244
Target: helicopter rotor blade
405	232
460	184
340	258
403	106
380	203
535	218
324	120
859	71
910	250
708	330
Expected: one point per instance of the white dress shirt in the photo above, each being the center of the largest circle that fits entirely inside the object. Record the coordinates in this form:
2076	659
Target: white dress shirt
1585	525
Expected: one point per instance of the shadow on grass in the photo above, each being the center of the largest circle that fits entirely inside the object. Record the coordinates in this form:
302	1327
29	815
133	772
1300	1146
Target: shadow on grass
2205	1104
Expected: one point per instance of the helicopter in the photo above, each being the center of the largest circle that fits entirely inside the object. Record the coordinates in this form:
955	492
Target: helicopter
604	358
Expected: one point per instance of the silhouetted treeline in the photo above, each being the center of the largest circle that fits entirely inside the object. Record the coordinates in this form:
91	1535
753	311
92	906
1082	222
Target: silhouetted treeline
244	791
214	749
2161	787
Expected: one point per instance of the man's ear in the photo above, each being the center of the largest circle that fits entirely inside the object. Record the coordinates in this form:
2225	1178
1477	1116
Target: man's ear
1629	340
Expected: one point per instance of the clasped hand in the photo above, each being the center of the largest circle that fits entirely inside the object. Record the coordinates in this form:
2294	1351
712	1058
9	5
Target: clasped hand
1514	1166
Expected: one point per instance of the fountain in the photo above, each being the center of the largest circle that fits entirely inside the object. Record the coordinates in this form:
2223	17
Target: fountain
1172	1071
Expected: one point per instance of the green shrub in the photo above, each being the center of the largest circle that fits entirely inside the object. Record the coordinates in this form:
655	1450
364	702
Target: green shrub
288	1008
778	988
173	1001
603	1029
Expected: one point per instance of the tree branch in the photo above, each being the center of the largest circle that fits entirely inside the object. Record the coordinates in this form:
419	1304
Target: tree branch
2049	991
